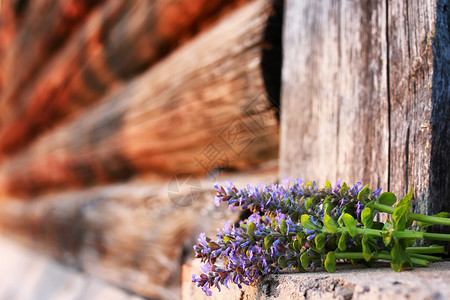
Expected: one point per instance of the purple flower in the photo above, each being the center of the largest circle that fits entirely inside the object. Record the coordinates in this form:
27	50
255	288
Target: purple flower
285	181
356	189
343	201
263	261
229	185
337	187
202	239
358	208
376	193
206	267
205	288
311	237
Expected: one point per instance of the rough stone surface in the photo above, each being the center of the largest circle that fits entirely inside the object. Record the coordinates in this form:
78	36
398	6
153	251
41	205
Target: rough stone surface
347	283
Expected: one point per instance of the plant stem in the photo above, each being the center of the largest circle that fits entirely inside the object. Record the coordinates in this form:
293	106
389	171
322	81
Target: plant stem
436	236
413	216
426	257
409	234
386	256
423	250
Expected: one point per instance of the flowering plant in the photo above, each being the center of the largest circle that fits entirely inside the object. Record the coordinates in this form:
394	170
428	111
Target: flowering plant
300	227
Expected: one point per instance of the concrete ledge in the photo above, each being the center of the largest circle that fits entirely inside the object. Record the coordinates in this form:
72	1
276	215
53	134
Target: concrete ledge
347	283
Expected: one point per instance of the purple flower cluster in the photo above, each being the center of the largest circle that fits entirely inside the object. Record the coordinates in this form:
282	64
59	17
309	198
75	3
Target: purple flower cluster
276	236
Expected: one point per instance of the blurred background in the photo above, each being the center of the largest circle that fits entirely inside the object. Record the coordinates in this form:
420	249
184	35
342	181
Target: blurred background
116	119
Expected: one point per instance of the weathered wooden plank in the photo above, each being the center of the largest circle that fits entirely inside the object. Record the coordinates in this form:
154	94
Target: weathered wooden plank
9	18
134	235
393	136
188	114
420	102
43	29
410	71
118	41
334	121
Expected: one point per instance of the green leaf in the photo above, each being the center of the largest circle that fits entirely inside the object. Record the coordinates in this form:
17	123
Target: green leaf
401	211
341	221
304	259
330	262
296	245
327	205
306	222
387	198
399	257
371	205
344	189
310	184
329	223
387	232
283	227
366	249
309	203
320	240
328	185
301	237
268	242
226	239
364	193
282	262
251	229
350	223
367	217
342	244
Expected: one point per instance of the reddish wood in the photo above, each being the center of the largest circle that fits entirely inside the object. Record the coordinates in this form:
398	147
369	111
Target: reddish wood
42	29
118	41
204	107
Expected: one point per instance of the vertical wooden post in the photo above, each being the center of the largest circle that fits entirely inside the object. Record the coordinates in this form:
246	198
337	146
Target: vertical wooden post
366	96
334	121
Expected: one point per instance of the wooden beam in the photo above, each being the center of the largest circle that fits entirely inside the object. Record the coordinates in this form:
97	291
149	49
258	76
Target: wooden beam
420	104
202	108
334	116
42	28
133	235
119	40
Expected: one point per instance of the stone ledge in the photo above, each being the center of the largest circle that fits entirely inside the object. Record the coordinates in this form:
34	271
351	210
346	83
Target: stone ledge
379	282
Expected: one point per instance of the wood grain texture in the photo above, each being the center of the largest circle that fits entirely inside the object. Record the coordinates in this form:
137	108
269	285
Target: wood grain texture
440	114
42	28
334	122
132	235
410	34
119	40
202	108
420	104
9	20
353	124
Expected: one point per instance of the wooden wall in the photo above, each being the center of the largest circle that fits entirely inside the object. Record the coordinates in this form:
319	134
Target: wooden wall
116	119
106	106
366	98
